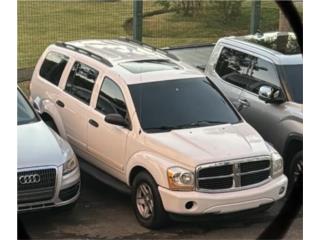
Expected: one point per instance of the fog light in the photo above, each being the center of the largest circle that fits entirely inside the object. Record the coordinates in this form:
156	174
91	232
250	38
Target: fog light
282	189
189	205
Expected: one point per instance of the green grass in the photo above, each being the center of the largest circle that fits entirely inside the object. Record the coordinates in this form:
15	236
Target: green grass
43	22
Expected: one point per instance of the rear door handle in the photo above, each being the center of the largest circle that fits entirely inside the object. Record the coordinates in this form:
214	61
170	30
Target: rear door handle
93	123
59	103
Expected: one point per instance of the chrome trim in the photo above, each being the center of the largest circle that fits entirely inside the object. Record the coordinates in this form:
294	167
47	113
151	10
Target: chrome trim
256	171
236	186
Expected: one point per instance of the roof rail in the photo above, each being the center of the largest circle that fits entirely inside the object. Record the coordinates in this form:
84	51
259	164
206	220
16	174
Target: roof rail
125	39
85	52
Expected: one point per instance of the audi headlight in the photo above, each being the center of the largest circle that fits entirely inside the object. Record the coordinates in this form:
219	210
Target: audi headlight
180	179
70	165
277	164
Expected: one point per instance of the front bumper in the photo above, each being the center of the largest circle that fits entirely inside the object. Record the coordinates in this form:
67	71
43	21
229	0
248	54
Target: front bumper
204	203
67	191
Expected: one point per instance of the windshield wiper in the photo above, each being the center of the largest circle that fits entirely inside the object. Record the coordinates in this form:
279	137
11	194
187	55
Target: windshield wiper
162	128
202	123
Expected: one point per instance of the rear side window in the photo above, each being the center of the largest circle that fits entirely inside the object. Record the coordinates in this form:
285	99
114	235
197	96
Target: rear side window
53	66
81	81
246	71
111	99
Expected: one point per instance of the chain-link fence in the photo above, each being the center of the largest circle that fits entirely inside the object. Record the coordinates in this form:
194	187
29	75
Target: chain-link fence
165	23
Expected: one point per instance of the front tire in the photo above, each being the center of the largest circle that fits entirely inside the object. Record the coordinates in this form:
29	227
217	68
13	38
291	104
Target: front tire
295	169
147	203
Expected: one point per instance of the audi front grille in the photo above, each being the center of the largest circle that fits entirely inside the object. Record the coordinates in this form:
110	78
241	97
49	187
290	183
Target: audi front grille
233	175
36	185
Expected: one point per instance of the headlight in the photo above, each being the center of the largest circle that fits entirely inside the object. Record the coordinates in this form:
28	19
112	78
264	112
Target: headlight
180	179
277	164
70	165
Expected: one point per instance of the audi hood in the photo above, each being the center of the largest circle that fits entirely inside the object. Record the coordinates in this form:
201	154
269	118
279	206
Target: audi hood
192	147
40	146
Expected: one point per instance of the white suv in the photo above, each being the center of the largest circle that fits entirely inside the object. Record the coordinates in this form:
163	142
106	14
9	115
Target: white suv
157	126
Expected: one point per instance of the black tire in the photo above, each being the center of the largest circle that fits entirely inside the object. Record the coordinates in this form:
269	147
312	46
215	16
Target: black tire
158	217
294	169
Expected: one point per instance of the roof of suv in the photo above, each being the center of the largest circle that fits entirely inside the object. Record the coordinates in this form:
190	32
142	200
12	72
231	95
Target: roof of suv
137	63
282	45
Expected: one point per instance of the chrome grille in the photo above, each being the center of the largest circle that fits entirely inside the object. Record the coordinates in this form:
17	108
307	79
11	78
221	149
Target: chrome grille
40	190
233	175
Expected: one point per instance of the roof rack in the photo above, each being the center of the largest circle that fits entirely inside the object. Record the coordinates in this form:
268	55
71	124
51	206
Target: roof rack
85	52
125	39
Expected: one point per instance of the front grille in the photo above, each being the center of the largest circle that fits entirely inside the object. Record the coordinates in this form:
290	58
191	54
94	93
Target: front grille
36	185
233	175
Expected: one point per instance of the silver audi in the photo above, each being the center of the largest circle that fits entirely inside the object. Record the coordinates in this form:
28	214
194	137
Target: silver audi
48	170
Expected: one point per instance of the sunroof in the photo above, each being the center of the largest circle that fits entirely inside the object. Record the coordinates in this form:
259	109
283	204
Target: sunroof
285	43
143	66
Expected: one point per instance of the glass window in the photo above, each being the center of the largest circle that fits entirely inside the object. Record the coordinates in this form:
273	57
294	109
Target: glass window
25	112
246	71
183	103
111	99
53	66
232	66
81	81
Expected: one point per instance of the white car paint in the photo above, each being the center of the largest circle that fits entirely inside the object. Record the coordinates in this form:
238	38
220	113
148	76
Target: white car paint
117	150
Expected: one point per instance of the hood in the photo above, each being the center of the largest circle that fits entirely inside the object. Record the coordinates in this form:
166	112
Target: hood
39	146
192	147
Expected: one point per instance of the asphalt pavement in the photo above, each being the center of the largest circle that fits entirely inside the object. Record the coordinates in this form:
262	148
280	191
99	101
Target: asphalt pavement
104	213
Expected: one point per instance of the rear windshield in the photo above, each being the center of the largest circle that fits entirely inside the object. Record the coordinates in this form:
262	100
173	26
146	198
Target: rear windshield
183	103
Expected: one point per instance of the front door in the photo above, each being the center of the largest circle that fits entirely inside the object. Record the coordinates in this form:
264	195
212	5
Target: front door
107	142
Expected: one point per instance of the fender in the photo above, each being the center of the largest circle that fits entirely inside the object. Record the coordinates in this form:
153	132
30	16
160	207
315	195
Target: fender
291	137
46	106
155	164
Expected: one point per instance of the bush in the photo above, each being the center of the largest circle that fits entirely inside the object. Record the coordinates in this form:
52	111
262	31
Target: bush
228	11
183	7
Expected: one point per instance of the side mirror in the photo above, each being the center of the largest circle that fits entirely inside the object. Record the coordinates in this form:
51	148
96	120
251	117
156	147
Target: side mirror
270	94
116	119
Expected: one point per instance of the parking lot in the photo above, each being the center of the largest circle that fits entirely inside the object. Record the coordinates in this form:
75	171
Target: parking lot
102	213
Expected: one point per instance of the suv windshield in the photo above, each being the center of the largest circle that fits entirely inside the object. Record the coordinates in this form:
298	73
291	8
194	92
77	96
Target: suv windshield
183	103
293	75
25	112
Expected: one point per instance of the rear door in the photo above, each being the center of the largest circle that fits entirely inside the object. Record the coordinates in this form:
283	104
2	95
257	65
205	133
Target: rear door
74	103
229	71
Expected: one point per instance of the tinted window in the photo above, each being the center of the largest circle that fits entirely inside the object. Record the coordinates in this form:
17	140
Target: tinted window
53	66
293	76
81	81
232	66
25	112
246	71
111	99
183	103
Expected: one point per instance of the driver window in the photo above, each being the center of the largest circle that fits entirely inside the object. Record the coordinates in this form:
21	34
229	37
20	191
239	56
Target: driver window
246	71
111	99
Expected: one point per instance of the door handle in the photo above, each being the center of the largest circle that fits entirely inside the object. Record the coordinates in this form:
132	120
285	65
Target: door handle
59	103
243	103
93	123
